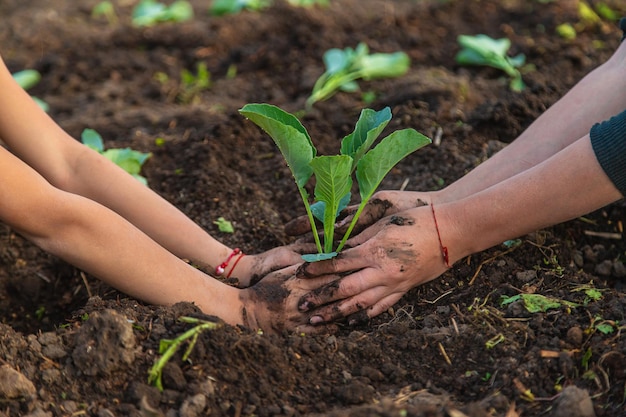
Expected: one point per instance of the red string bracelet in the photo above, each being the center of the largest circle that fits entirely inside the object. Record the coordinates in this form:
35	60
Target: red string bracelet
222	267
444	249
234	265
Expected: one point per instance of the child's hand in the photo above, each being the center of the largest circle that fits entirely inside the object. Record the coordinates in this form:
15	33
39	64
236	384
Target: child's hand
252	268
271	305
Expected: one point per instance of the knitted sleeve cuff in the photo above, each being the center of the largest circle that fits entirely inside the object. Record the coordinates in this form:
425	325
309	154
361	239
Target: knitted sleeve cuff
608	140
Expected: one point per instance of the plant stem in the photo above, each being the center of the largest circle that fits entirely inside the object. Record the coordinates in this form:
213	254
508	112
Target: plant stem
352	224
309	213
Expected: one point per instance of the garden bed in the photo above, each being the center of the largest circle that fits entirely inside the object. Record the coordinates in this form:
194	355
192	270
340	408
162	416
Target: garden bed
448	348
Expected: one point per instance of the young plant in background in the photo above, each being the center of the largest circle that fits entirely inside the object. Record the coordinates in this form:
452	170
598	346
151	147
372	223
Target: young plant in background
106	9
151	12
309	3
483	50
168	347
27	79
333	174
224	7
345	66
192	84
128	159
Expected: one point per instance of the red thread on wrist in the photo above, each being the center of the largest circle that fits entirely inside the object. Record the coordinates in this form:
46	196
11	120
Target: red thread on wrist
222	267
234	265
444	249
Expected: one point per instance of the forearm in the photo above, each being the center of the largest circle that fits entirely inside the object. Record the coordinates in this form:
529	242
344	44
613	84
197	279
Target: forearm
167	225
569	184
595	98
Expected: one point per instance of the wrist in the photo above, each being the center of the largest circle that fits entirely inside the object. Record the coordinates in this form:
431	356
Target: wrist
227	267
449	221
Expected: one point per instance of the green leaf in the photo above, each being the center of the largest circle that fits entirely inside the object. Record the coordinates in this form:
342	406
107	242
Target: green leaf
315	257
179	11
92	139
485	45
376	163
333	182
319	207
483	50
224	225
369	126
150	12
336	60
382	65
289	135
27	78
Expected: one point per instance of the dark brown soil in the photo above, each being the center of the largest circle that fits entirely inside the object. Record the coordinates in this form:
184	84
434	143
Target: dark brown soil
448	348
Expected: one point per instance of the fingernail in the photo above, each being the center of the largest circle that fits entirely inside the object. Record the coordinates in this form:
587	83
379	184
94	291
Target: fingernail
316	320
304	306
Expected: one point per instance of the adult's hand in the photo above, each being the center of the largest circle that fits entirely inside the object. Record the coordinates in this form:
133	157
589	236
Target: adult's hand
386	260
272	304
382	204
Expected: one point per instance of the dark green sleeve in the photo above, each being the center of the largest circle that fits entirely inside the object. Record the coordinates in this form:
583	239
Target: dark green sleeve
608	140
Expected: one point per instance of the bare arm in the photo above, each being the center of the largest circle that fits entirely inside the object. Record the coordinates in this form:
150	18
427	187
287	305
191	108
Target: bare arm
94	238
597	97
567	185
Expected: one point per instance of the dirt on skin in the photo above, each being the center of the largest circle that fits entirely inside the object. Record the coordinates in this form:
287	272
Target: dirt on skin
72	346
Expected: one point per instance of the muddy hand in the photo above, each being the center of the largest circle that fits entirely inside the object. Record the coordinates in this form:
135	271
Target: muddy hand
252	268
386	260
382	204
272	304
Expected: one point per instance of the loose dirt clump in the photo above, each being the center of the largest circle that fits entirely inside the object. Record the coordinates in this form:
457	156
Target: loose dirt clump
70	345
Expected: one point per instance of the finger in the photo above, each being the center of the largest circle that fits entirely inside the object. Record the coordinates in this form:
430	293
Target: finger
299	226
373	211
357	255
302	248
363	316
358	309
339	289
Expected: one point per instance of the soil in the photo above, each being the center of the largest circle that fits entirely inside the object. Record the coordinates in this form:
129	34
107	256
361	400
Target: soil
70	345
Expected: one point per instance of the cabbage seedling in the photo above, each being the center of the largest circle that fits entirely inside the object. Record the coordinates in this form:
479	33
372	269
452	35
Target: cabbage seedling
483	50
344	67
128	159
28	79
151	12
333	174
224	7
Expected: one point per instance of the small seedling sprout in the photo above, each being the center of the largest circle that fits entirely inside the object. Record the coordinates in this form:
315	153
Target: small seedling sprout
484	50
151	12
168	347
106	9
333	174
345	66
309	3
224	7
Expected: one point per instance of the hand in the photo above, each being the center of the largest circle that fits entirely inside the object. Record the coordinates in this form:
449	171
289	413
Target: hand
382	204
253	268
386	260
272	304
